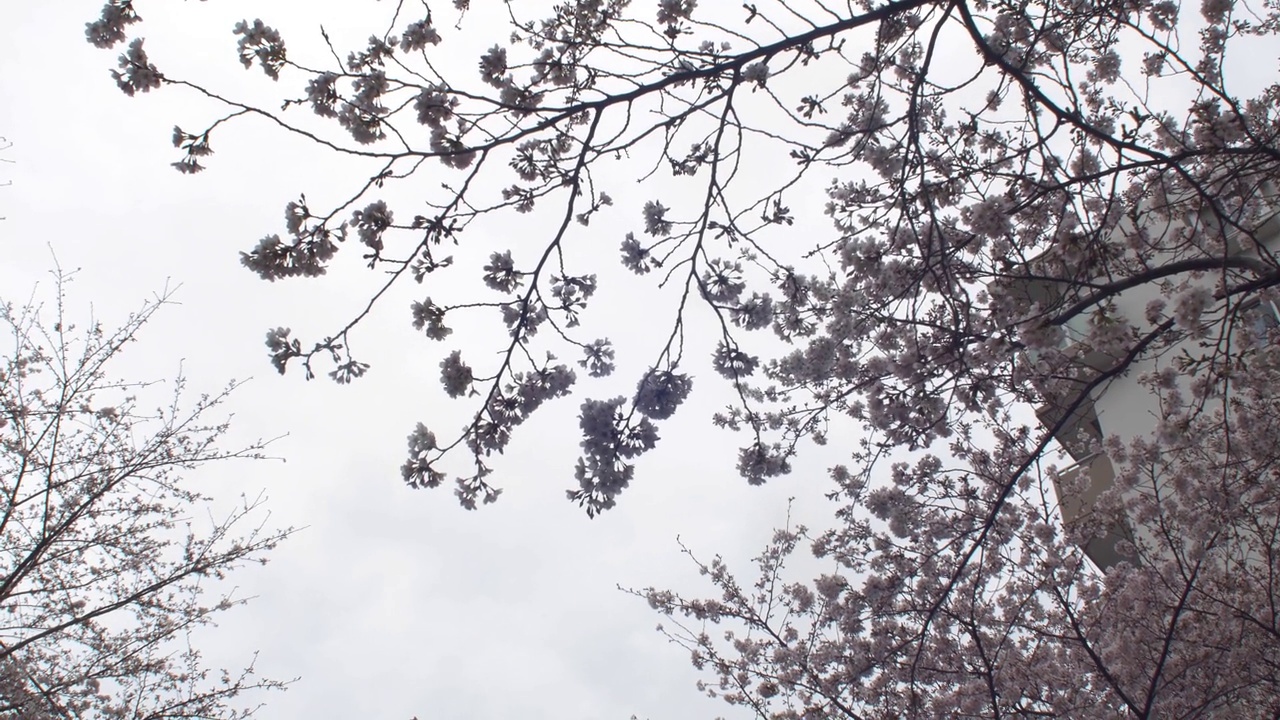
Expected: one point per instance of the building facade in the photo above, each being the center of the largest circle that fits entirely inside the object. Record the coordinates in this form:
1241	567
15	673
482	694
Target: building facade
1102	393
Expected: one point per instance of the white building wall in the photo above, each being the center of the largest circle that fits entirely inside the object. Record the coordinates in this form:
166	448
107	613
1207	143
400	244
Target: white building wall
1126	408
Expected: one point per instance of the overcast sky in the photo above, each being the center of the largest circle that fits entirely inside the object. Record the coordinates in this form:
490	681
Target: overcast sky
392	602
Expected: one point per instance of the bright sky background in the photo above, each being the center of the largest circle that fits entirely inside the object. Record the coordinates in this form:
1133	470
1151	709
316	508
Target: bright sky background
391	603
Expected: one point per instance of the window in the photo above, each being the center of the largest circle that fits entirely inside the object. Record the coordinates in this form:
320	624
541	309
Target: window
1260	321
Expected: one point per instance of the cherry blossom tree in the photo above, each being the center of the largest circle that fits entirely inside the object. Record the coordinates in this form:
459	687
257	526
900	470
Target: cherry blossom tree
109	557
947	229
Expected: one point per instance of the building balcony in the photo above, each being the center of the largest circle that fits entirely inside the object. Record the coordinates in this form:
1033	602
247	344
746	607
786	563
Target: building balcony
1099	476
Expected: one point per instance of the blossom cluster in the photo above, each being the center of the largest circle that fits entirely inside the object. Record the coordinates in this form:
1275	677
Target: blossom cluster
307	254
609	439
262	43
109	29
136	73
